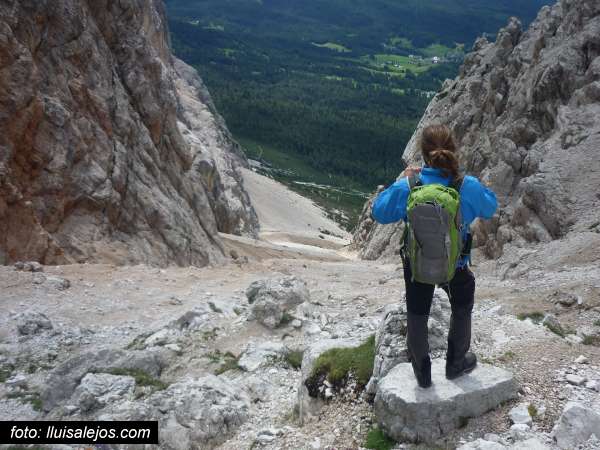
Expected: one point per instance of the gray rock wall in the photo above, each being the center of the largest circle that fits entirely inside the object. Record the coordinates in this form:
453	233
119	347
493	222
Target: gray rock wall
110	150
524	110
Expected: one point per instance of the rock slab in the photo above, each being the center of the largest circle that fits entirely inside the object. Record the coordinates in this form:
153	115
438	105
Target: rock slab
407	412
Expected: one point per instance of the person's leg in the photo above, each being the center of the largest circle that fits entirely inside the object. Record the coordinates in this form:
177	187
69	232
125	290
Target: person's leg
461	291
418	305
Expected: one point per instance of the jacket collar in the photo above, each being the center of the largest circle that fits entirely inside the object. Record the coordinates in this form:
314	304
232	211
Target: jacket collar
432	171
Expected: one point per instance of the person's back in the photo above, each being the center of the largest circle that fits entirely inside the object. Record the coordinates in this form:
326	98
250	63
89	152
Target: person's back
441	167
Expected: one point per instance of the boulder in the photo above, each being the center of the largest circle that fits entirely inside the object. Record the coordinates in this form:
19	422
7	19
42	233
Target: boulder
407	412
576	425
32	322
98	389
192	413
264	354
309	407
390	344
271	298
65	378
202	413
390	338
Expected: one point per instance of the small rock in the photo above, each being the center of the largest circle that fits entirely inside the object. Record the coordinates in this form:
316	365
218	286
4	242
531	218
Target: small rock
33	266
520	431
581	360
297	323
575	379
520	414
176	348
18	380
62	284
32	323
593	385
552	323
563	298
574	339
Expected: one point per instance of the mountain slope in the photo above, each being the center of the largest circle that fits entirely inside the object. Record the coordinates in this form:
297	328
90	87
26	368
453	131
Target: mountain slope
525	111
110	150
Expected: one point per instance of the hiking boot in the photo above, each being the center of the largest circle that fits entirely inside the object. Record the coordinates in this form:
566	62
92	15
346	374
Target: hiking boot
423	372
466	365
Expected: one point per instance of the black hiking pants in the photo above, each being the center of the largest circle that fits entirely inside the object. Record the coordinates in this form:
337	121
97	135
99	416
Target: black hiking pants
461	291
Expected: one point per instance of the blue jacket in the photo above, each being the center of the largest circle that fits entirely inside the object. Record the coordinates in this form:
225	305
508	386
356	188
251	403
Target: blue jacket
476	200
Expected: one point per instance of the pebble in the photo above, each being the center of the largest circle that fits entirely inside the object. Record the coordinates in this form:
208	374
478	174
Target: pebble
581	360
575	379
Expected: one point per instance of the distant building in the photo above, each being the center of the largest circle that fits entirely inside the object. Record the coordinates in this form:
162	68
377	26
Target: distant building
435	59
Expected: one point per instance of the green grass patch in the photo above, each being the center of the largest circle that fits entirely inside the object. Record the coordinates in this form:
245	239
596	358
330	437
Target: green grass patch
336	364
333	46
533	412
507	356
592	339
230	362
6	372
294	359
535	316
378	440
286	319
209	335
597	323
389	62
401	42
556	329
141	377
33	398
215	308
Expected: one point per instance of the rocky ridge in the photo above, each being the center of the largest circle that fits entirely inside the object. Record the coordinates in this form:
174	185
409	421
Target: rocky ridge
524	112
110	148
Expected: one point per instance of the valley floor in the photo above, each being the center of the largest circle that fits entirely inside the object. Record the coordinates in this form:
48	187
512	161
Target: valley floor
107	307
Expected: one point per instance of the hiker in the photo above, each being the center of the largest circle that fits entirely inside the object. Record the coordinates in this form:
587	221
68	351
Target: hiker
438	204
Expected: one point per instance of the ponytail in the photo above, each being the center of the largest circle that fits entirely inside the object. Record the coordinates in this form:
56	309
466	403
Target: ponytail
439	149
445	160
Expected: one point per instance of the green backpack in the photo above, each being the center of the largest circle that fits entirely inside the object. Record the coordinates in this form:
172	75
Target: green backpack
432	241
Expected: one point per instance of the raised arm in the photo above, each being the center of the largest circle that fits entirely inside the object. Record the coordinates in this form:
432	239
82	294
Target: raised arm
481	199
390	205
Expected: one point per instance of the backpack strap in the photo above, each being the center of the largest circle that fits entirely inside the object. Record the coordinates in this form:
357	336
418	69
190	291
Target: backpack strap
413	181
457	183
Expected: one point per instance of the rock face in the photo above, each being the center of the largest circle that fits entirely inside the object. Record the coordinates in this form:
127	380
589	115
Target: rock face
110	148
408	412
576	425
524	112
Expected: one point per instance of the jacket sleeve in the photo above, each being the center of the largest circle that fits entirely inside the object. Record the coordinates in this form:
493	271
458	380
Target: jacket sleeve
484	200
390	205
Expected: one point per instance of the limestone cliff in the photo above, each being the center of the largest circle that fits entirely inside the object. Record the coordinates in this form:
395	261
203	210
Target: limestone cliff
525	111
110	148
